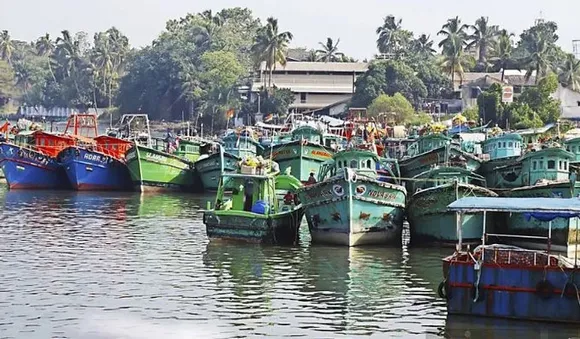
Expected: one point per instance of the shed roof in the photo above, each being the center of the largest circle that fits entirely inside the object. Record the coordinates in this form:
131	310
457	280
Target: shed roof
516	205
310	66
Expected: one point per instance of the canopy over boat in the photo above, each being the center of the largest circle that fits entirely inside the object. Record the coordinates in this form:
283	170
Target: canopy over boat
540	208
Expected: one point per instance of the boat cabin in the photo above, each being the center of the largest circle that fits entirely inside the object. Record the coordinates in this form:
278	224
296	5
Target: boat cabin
573	146
307	133
51	144
259	194
445	175
189	149
551	163
241	144
428	143
503	146
364	163
112	146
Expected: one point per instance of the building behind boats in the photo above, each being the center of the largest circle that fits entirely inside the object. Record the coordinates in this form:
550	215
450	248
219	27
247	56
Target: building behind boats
316	85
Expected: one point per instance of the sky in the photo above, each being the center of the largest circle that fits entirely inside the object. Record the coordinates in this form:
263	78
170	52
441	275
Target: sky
311	21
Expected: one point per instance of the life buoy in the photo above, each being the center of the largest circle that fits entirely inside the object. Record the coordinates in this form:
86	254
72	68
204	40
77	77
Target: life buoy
544	289
444	290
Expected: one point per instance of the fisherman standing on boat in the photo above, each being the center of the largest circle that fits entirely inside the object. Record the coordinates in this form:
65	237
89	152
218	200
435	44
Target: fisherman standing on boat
311	179
248	195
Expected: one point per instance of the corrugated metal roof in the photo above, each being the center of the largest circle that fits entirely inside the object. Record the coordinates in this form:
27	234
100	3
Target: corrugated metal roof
310	88
340	67
515	205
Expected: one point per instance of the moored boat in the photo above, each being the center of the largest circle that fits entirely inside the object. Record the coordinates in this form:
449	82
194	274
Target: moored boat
262	208
352	204
512	282
236	146
429	220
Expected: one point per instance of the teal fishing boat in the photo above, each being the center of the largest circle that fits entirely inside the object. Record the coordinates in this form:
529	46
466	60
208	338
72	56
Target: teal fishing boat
262	208
573	146
435	189
354	204
500	151
545	174
303	155
432	150
236	146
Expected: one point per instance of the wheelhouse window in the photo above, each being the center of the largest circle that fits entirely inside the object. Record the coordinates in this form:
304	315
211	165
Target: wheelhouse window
369	163
510	144
534	165
551	164
353	164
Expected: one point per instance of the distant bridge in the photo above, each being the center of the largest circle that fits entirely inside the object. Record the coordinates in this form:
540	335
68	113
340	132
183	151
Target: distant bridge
53	113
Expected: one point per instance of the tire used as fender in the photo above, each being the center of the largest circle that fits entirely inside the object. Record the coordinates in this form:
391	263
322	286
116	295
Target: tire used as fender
444	290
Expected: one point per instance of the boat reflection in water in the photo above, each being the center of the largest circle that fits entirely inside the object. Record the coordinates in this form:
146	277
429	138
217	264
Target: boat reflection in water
168	204
352	291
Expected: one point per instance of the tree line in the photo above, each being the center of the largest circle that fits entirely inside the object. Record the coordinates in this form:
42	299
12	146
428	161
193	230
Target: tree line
195	69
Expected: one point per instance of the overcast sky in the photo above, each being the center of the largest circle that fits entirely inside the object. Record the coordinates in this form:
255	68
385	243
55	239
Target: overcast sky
311	21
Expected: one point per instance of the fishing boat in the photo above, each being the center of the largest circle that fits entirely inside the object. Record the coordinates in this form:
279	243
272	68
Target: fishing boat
99	167
236	146
429	220
155	168
506	281
261	209
501	150
303	155
353	204
31	161
434	149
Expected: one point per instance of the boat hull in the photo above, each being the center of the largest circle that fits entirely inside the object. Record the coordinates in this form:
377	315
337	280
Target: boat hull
511	291
346	213
303	159
564	231
209	169
29	169
281	228
154	171
93	171
431	223
416	165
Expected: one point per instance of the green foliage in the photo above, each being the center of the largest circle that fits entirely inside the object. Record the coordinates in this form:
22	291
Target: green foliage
388	77
489	104
472	113
277	101
6	82
521	115
420	119
394	108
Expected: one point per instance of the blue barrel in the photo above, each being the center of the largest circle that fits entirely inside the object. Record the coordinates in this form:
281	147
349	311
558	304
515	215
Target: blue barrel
260	207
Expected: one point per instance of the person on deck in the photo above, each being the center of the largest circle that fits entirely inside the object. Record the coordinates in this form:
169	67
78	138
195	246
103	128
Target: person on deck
288	198
248	195
311	179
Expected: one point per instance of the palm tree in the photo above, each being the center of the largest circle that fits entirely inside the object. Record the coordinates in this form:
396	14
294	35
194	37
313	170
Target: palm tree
103	56
270	46
204	34
423	45
483	38
453	45
501	52
45	48
391	36
68	53
570	72
329	51
539	59
6	47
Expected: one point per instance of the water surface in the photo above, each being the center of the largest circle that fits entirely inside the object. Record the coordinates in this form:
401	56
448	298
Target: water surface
93	265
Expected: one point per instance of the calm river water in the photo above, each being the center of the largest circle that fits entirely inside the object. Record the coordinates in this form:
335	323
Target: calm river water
91	265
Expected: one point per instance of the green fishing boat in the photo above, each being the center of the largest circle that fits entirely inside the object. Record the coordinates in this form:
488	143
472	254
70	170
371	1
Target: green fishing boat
573	146
236	146
432	150
500	151
154	170
189	148
358	200
262	208
434	190
303	155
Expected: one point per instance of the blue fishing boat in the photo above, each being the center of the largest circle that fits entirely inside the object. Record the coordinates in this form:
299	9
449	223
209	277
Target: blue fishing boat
98	168
512	282
354	203
236	146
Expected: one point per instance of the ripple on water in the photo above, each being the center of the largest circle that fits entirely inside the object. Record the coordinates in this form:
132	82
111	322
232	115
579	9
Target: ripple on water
90	265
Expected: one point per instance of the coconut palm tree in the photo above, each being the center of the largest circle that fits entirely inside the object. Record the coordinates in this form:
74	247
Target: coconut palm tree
423	45
569	72
483	37
501	52
329	51
6	47
270	46
453	45
392	38
204	34
539	58
45	48
103	60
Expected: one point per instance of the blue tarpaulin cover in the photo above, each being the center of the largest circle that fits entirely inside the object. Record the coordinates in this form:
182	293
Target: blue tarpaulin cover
549	216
